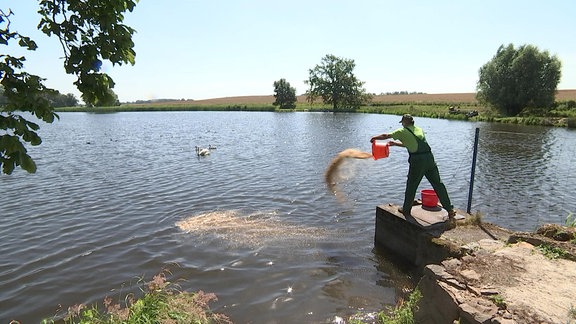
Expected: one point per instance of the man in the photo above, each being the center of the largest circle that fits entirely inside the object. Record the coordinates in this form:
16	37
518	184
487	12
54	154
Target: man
421	164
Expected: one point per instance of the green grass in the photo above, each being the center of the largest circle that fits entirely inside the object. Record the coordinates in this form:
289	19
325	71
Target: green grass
571	223
498	300
562	109
560	116
403	314
551	252
162	302
572	312
571	220
167	107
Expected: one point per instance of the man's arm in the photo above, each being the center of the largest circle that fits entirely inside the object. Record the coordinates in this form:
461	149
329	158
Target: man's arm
386	136
380	137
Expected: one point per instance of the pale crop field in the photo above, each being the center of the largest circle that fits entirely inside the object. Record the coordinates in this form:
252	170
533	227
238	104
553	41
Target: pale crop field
463	98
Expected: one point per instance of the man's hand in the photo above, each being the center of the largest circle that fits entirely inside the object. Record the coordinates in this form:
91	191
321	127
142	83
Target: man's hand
379	137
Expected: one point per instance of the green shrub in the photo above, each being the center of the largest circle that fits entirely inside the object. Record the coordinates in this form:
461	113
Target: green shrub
571	220
551	252
572	312
161	303
403	314
498	300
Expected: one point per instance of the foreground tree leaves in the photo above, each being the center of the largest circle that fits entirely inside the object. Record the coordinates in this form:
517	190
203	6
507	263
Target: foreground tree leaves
89	31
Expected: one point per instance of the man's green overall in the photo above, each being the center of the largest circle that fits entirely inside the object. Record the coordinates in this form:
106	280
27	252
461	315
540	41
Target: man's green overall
422	164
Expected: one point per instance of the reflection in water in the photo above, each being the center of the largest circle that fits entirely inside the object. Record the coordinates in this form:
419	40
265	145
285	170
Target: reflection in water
396	272
508	158
523	146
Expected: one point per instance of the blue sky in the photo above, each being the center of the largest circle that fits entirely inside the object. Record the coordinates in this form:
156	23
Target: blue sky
188	49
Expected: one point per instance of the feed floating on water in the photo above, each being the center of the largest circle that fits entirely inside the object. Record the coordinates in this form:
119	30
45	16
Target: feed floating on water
255	229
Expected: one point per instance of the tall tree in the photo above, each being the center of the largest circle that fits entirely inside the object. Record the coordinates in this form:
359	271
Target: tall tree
519	78
285	95
89	31
334	81
61	100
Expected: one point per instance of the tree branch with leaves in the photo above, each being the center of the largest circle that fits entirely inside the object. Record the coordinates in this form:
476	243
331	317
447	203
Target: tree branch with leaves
89	31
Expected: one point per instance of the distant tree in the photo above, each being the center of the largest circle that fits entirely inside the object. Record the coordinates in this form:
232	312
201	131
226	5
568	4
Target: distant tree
55	99
404	92
519	78
334	81
61	100
69	100
89	31
285	95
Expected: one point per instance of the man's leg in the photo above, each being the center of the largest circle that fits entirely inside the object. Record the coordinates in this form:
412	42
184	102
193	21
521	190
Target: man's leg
415	174
433	176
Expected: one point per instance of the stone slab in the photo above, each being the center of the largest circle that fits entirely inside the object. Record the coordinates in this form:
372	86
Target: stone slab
429	216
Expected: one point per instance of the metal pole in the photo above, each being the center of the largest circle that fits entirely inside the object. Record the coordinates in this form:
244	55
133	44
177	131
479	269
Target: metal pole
473	170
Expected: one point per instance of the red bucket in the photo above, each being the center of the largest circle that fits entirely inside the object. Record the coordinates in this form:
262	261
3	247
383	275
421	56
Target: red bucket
380	150
429	198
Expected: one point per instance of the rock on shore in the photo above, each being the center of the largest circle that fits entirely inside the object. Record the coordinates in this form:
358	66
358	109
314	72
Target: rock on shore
501	278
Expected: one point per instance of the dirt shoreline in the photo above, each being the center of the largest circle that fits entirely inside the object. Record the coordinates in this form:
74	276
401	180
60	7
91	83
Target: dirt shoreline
503	277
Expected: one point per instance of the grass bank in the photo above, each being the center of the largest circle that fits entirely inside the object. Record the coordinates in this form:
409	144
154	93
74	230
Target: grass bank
558	117
160	302
169	107
163	302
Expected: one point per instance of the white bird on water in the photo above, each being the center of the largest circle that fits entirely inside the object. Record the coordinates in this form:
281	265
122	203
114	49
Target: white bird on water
202	151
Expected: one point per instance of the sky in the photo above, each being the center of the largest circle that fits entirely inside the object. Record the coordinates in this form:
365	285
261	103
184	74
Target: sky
190	49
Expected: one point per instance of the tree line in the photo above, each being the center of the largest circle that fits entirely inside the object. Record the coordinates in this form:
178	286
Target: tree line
513	80
55	98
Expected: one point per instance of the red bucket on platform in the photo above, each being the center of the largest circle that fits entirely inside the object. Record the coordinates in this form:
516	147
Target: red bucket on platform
429	198
380	150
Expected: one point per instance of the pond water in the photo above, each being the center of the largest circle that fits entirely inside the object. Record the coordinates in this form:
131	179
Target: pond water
118	197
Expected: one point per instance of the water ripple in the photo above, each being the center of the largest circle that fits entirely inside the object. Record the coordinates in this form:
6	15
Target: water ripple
103	208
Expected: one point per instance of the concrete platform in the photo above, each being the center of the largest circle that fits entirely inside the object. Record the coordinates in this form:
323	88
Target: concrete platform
465	263
409	236
424	217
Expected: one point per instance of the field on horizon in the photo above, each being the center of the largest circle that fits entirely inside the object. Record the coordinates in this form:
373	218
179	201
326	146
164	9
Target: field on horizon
448	98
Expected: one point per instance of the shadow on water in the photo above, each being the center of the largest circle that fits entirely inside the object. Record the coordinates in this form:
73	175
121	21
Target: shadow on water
399	273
